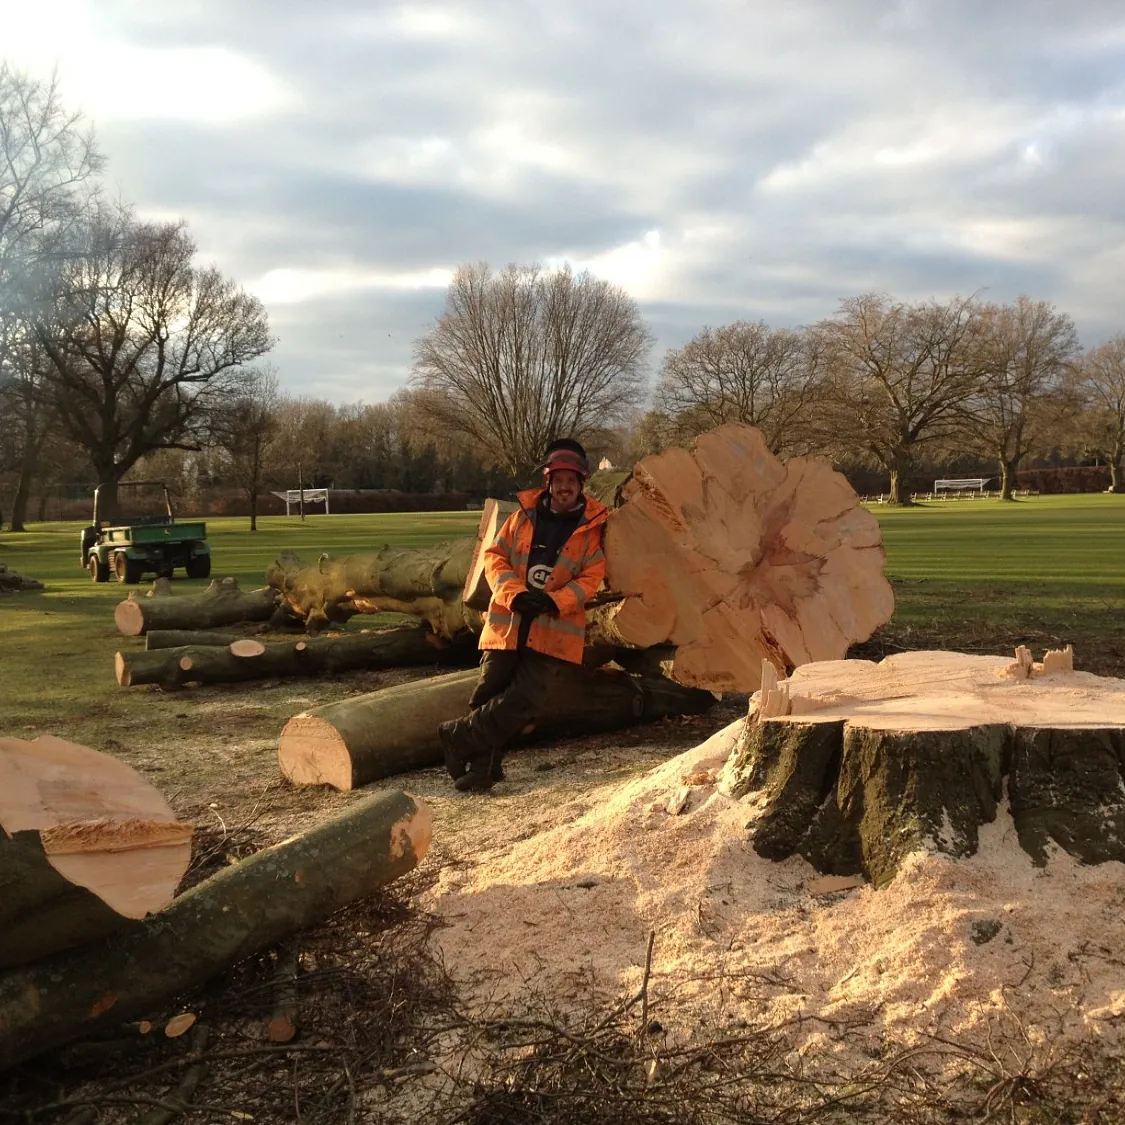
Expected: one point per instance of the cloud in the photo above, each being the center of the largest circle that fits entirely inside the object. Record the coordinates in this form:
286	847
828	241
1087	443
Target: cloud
717	159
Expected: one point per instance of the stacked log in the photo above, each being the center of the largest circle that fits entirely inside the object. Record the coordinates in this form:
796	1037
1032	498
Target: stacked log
222	603
87	846
241	659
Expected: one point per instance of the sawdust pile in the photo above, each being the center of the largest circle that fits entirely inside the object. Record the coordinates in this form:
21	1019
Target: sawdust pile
948	949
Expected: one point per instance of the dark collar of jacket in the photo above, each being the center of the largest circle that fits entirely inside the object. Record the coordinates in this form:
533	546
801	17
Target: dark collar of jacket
596	512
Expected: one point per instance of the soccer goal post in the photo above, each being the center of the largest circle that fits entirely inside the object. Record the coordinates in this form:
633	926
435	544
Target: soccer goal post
961	484
293	496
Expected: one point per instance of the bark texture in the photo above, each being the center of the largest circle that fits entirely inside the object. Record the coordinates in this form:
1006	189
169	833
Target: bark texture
399	646
860	764
360	740
86	846
11	581
239	911
222	603
426	582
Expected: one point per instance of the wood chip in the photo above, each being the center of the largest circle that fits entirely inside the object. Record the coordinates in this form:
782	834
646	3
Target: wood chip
830	884
177	1025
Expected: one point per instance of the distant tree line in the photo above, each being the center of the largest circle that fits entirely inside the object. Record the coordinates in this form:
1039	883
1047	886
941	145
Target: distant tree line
121	356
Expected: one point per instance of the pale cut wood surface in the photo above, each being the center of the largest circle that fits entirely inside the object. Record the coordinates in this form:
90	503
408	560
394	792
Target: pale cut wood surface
734	557
915	691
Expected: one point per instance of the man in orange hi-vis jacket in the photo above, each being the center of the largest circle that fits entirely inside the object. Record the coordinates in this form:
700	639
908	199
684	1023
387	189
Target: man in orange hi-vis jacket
545	564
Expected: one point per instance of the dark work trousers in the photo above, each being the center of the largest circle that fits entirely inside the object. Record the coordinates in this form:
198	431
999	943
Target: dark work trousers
510	694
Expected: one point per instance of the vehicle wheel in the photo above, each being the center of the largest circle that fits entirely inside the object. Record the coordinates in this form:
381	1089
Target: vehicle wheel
128	570
99	571
199	567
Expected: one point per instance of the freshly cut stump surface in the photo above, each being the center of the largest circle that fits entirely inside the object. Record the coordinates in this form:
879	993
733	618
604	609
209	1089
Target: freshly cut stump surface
86	846
857	764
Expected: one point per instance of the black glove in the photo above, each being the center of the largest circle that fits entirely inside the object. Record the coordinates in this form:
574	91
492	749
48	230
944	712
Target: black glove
531	603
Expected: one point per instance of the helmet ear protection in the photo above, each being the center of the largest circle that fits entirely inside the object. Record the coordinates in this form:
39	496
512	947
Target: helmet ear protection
565	459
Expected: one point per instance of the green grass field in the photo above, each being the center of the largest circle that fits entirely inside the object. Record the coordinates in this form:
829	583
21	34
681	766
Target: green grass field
973	575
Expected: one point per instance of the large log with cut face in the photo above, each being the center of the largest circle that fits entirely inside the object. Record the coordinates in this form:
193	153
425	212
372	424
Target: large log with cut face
854	765
244	908
724	553
732	557
359	740
87	846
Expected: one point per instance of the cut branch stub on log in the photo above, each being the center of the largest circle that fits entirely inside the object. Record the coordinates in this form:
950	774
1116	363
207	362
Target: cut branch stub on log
426	582
734	557
360	740
222	603
875	761
399	646
86	846
241	910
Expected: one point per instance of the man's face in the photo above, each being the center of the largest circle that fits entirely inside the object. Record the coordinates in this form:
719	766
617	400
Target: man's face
565	487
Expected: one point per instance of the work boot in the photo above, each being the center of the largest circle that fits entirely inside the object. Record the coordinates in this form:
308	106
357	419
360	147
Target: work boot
456	762
478	779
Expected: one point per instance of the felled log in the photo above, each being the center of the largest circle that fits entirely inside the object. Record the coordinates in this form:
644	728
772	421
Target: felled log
426	582
247	659
241	910
180	638
476	592
222	603
86	846
12	582
367	737
733	556
724	553
856	764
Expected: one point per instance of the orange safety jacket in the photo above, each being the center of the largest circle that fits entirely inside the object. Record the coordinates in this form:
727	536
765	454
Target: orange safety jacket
576	576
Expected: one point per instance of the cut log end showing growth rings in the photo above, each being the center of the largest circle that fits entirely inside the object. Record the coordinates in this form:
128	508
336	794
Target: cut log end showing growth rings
863	763
735	558
86	846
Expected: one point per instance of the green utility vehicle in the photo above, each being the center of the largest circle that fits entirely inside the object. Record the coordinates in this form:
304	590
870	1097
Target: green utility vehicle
148	544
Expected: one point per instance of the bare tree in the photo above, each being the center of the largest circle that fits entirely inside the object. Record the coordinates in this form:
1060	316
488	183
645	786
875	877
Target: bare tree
741	372
244	428
48	162
898	377
1026	351
140	343
1101	380
520	357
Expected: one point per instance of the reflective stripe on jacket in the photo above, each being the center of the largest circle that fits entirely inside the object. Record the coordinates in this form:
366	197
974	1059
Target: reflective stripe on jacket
576	576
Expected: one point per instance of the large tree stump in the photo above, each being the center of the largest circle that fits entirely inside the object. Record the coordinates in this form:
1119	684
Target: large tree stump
399	646
734	557
86	846
239	911
222	603
854	765
359	740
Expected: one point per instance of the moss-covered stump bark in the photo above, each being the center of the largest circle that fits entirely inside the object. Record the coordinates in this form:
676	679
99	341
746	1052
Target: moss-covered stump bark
243	909
874	761
360	740
222	603
87	846
400	646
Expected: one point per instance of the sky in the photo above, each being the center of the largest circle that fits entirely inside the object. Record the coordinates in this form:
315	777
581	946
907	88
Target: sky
718	159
